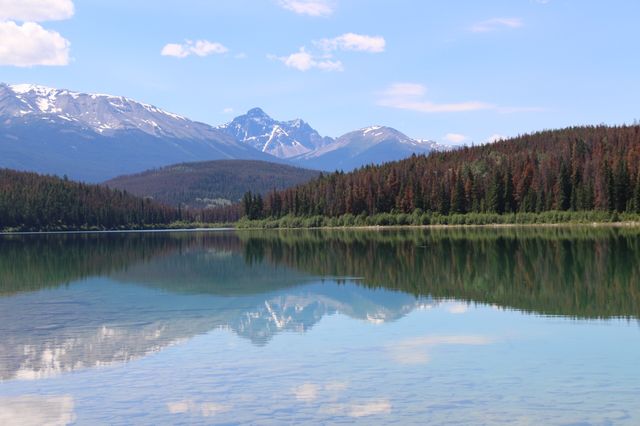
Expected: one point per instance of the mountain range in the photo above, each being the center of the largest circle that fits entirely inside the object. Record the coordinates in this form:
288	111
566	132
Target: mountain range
297	142
95	137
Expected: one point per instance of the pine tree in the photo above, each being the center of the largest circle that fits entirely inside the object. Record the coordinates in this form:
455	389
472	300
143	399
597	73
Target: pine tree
636	195
509	200
622	186
495	198
563	188
458	200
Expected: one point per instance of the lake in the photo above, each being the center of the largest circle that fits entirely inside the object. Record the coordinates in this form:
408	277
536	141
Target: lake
452	326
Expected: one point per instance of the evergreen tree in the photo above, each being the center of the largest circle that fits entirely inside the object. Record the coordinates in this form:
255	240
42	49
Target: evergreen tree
564	188
458	199
495	197
509	199
622	186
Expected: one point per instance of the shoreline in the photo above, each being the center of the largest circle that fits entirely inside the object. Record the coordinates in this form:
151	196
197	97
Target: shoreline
625	224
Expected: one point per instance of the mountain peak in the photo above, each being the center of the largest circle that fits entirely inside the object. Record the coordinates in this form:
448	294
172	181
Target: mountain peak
257	113
283	139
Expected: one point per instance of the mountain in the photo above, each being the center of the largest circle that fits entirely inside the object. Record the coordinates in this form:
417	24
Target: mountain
299	143
94	137
211	183
283	139
371	145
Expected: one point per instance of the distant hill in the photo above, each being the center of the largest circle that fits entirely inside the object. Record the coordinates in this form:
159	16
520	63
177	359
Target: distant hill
211	183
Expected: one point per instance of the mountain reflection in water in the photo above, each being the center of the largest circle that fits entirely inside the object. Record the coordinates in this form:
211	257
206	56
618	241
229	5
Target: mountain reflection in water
84	300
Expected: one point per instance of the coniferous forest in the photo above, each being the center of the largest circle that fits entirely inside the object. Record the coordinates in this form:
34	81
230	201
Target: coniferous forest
574	169
29	201
33	202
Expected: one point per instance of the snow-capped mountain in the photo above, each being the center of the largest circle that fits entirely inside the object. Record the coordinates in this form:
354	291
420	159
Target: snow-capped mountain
94	137
283	139
299	143
371	145
104	114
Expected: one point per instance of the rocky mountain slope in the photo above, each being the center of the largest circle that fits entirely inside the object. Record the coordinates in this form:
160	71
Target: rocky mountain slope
93	137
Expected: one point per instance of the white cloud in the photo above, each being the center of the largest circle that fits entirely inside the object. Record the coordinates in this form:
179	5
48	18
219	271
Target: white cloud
35	10
307	392
415	350
455	137
37	410
410	96
175	50
458	308
308	7
353	42
29	44
228	110
305	61
204	409
370	408
496	24
189	47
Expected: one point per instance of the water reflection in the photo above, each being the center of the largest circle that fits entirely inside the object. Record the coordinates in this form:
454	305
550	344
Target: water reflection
77	301
581	272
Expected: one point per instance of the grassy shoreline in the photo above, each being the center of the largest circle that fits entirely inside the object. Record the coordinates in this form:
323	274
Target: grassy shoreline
379	221
420	219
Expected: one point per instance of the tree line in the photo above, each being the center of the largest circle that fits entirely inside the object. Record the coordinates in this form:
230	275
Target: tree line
30	201
33	202
573	169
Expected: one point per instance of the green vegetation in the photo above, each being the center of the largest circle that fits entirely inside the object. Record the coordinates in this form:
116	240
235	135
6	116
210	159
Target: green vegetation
32	202
528	179
29	201
419	218
211	183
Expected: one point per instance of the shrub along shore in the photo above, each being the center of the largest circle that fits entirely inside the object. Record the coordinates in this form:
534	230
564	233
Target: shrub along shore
419	218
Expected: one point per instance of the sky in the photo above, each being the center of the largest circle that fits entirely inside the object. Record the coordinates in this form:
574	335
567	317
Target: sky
457	71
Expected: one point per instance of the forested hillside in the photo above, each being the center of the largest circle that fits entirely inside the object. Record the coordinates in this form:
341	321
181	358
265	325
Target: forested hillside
211	183
579	168
29	201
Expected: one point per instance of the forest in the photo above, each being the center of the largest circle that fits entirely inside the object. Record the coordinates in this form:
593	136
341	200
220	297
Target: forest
211	183
29	201
591	168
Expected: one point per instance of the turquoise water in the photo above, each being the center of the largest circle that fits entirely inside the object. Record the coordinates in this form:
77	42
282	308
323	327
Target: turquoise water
530	326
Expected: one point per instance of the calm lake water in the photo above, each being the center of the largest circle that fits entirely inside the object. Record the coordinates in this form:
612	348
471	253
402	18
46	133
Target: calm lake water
485	326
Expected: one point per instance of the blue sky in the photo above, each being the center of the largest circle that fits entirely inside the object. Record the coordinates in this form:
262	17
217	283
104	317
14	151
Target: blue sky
457	71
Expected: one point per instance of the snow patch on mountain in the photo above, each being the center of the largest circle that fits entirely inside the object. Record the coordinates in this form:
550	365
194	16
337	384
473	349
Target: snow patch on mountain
283	139
100	112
